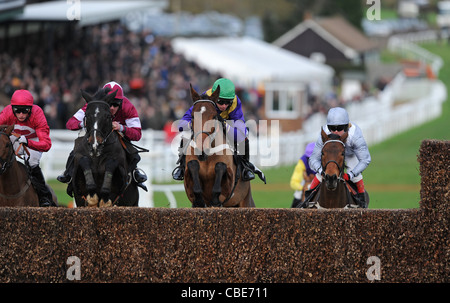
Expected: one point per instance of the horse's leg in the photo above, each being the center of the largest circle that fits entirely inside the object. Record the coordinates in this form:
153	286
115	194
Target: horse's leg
110	166
194	167
220	169
86	164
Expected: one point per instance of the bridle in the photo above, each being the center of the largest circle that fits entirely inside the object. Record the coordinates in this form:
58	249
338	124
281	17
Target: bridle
341	168
96	130
217	119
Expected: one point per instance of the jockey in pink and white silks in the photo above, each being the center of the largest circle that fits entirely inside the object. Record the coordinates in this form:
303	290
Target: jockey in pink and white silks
357	156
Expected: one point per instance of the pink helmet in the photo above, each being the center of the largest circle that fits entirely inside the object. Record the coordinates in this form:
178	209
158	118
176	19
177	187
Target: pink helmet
22	97
114	86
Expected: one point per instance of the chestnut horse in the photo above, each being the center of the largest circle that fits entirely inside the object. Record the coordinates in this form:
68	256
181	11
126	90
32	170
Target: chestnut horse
334	191
15	182
212	177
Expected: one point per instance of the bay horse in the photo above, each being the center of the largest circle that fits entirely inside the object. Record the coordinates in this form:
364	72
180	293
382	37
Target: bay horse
212	176
100	175
15	181
334	191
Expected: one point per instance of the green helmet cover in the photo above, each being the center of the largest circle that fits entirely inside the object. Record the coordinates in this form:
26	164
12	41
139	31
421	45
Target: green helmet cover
227	89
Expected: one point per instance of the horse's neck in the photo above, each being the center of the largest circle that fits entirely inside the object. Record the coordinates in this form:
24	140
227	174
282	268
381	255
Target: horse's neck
11	179
333	199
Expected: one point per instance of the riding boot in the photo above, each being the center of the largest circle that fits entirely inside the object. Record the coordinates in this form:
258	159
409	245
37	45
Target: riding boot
140	177
66	176
178	172
38	182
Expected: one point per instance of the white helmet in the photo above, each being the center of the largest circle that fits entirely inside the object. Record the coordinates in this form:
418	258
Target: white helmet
337	116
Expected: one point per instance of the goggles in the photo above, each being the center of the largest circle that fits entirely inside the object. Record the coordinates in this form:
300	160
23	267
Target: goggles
21	109
224	101
338	128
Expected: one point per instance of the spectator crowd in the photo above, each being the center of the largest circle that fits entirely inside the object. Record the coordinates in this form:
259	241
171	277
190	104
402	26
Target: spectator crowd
56	64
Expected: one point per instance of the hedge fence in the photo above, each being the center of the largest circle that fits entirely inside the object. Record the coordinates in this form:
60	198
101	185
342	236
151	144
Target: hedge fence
235	245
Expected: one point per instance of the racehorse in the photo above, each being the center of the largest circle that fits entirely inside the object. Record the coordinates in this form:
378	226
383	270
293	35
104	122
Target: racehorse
212	176
334	191
15	181
100	176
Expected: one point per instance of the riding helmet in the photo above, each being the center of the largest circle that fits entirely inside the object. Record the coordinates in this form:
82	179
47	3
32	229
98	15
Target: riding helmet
114	86
227	89
22	97
337	116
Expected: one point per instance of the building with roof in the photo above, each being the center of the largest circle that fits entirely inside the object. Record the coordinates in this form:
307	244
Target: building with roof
332	40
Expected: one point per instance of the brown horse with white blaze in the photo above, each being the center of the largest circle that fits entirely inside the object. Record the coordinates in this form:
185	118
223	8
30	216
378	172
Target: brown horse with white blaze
212	177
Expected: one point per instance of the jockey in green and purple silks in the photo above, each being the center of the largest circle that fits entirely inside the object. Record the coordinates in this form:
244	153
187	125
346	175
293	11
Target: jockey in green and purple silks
229	107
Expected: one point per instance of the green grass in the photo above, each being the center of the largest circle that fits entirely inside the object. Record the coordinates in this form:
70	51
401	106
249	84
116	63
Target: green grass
392	178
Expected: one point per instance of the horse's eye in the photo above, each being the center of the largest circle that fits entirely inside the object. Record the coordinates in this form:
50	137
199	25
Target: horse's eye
322	153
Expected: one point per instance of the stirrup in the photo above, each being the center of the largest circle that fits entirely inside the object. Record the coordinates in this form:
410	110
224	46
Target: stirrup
178	174
139	175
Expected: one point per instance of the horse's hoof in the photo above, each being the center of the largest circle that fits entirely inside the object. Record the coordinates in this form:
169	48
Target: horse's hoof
107	204
92	201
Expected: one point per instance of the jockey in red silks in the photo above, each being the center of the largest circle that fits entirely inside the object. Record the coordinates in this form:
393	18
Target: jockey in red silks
357	156
31	125
125	120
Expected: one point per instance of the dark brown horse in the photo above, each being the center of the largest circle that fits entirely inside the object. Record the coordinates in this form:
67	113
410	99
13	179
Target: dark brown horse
15	182
100	167
334	191
212	177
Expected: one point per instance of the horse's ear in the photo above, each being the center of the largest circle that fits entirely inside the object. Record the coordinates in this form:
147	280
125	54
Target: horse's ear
195	96
324	136
344	137
86	96
9	129
215	94
110	97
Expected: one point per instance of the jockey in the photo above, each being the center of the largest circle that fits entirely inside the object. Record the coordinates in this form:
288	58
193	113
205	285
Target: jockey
297	181
125	121
30	123
229	107
357	156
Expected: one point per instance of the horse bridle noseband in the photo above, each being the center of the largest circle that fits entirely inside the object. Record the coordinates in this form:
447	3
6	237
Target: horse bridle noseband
341	169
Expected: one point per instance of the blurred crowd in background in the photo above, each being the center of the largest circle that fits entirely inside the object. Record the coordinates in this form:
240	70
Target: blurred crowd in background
155	79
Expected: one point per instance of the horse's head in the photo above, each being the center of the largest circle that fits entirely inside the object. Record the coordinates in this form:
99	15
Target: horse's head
98	119
333	156
6	149
205	124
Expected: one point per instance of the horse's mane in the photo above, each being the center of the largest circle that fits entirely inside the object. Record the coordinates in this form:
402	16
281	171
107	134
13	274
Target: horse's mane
205	96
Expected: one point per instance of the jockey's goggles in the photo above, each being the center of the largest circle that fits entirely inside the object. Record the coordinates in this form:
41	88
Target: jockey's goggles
116	103
222	101
338	128
21	109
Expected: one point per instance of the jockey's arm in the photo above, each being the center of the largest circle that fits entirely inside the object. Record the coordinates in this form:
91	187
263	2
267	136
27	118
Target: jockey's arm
361	151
